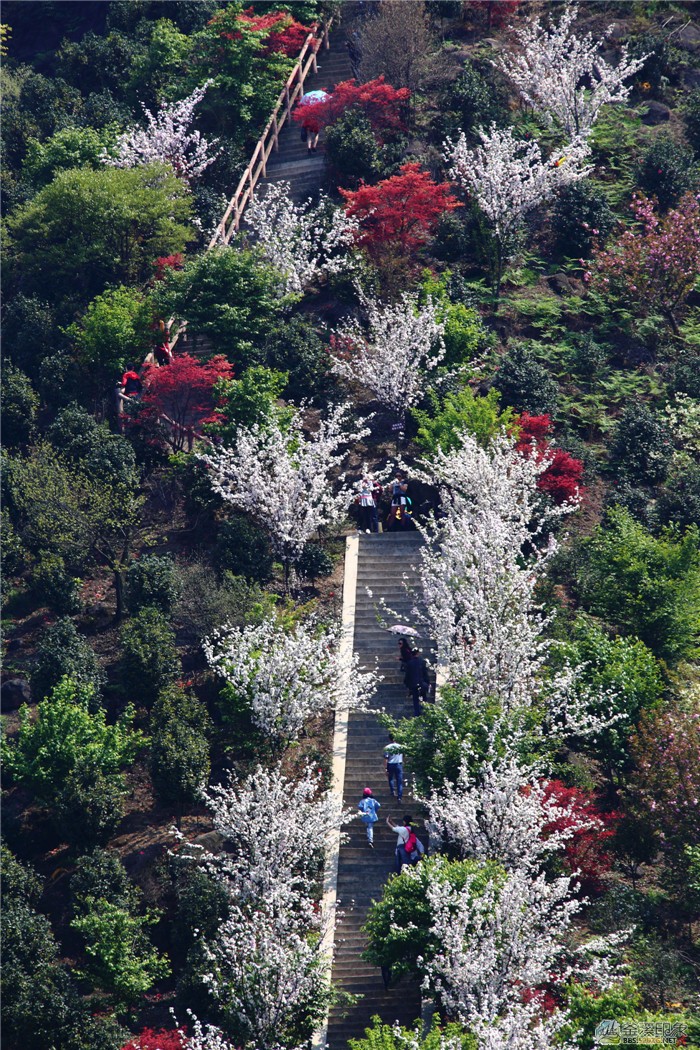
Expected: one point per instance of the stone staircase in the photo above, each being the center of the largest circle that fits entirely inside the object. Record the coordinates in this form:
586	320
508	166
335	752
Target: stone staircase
362	872
304	171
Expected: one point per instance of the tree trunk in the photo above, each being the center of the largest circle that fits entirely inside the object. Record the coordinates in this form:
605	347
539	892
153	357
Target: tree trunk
119	592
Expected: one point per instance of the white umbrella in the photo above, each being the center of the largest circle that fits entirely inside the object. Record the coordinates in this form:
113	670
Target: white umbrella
400	628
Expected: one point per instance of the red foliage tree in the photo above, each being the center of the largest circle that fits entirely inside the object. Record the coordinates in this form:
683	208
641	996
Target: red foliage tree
585	851
179	398
497	12
163	1039
381	103
562	478
398	216
167	262
654	266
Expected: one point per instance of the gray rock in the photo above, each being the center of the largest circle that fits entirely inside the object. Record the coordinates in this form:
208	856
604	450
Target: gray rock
14	693
560	284
211	841
691	78
688	38
657	113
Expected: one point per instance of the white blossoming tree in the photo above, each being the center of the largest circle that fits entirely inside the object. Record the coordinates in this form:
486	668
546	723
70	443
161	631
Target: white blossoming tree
403	341
277	828
564	76
285	479
480	565
169	137
269	976
287	676
302	242
267	968
495	944
508	177
503	814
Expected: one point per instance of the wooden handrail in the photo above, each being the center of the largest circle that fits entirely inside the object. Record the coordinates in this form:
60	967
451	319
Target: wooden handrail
269	140
293	88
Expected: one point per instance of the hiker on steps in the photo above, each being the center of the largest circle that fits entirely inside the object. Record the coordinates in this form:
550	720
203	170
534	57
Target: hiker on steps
368	807
402	832
417	680
393	759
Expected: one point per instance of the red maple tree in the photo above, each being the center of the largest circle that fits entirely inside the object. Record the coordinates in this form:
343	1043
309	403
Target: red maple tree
178	399
497	12
585	851
163	1039
562	478
398	216
167	262
381	103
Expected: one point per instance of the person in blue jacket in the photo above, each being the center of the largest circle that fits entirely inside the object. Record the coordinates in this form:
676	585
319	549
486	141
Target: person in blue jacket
368	807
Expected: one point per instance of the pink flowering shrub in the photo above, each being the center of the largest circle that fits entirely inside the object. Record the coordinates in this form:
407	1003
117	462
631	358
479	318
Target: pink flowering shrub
665	787
654	266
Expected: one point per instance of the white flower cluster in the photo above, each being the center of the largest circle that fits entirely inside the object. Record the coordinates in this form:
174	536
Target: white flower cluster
404	341
504	814
480	565
302	242
288	677
168	137
284	479
508	177
266	962
563	76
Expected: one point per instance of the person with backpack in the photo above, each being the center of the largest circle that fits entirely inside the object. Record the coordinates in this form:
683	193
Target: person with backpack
402	831
368	807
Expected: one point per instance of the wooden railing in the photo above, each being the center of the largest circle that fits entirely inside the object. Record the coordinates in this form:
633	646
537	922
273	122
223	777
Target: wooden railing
269	140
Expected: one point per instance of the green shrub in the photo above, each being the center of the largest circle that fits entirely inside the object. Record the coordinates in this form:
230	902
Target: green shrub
100	454
648	586
679	501
152	580
19	881
352	149
525	384
63	652
398	927
641	447
314	562
40	1004
179	747
64	737
243	549
12	552
19	405
55	587
393	1037
691	117
459	412
468	103
248	401
297	349
667	171
586	1008
120	956
624	674
101	874
151	660
209	601
90	805
582	217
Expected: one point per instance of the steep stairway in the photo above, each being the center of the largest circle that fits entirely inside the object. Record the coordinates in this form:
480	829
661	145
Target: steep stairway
304	171
362	872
